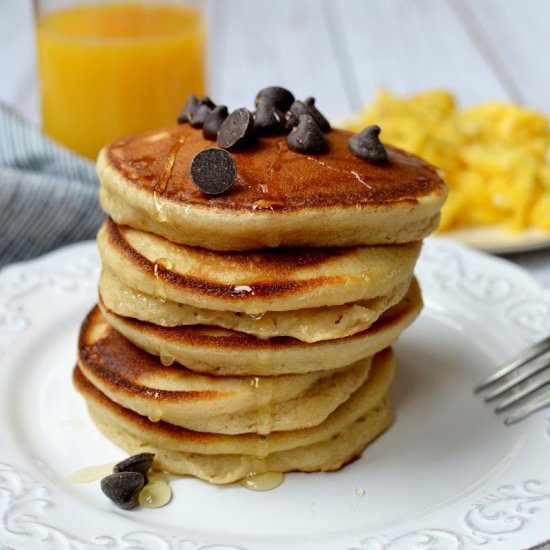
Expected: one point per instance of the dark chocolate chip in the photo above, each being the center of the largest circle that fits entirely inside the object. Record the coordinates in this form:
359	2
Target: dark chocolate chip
367	146
123	488
317	115
297	109
278	97
237	129
307	137
205	100
200	115
268	120
188	109
213	171
213	123
140	463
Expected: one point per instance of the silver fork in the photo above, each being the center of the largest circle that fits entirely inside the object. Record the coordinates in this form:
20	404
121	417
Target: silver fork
520	379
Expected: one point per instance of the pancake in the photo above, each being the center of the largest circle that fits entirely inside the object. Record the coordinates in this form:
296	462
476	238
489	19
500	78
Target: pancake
229	353
253	282
308	325
223	459
280	199
139	381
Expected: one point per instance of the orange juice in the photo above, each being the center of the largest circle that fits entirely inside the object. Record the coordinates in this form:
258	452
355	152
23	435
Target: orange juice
107	70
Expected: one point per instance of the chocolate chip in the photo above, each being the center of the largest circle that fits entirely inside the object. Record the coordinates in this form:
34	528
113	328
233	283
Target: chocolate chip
140	463
205	100
278	97
367	146
307	137
213	171
212	124
236	130
268	120
202	112
299	108
123	488
188	109
317	115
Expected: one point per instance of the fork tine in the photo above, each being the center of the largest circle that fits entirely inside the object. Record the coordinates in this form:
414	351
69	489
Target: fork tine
530	387
536	404
526	355
526	372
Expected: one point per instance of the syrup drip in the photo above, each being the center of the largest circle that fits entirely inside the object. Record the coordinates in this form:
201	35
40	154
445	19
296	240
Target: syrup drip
160	187
167	359
255	316
92	473
157	492
160	265
262	482
155	415
275	167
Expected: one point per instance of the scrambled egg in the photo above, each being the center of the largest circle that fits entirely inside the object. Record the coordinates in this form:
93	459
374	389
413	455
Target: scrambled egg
494	157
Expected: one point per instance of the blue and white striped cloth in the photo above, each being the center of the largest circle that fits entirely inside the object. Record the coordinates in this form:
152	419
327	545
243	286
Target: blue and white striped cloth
48	195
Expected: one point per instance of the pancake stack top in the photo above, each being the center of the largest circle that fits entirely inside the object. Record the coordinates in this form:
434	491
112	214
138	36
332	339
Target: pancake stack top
251	288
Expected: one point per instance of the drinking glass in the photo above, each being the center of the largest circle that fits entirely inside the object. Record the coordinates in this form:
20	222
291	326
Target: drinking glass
111	68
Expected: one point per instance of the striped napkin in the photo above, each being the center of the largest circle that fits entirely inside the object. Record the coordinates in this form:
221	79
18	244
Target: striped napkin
48	195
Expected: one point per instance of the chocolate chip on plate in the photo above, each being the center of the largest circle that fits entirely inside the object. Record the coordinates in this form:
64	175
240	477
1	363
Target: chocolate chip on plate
212	124
307	137
140	463
188	109
213	171
268	120
278	97
123	488
237	129
367	145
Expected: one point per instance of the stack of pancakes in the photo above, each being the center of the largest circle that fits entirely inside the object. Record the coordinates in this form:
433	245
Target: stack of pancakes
249	332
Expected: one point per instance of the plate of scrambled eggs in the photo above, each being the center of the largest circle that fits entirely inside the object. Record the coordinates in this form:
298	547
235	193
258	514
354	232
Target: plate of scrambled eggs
494	157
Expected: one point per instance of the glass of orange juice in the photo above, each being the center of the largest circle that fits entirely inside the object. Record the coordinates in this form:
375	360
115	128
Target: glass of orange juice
112	68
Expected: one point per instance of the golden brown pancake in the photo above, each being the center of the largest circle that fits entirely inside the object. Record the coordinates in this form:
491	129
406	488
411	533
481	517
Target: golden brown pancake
308	325
280	198
229	353
139	381
223	459
254	282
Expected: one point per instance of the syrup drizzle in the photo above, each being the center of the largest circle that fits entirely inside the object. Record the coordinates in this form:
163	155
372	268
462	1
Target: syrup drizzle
159	266
352	172
92	473
157	492
162	183
262	482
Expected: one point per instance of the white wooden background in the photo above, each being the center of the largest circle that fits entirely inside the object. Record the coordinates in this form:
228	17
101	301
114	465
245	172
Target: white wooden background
343	51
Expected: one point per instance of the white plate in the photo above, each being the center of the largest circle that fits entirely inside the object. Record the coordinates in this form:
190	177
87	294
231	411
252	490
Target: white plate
447	475
497	240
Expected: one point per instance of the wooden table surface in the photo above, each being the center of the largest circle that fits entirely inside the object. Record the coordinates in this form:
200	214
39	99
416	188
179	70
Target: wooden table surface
343	51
